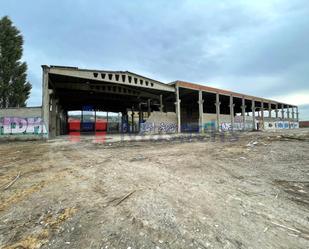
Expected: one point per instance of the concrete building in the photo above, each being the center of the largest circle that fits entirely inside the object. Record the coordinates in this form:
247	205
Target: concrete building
145	105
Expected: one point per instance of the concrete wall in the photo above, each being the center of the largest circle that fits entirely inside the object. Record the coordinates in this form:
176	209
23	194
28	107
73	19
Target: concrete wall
210	122
22	123
160	122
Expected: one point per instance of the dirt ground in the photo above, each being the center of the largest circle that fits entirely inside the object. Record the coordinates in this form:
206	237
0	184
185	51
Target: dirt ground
247	190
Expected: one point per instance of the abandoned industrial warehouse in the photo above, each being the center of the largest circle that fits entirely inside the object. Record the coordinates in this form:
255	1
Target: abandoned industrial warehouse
89	101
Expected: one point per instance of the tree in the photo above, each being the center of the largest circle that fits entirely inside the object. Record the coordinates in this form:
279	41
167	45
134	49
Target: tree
14	87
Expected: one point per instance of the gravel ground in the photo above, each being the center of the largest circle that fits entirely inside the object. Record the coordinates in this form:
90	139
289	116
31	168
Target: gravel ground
247	190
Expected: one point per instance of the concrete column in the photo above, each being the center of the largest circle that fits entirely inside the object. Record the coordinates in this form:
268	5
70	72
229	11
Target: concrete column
161	103
288	115
45	98
177	103
253	114
243	113
232	111
262	114
218	110
293	116
276	111
149	107
269	110
201	111
282	111
132	119
53	119
139	116
107	128
297	113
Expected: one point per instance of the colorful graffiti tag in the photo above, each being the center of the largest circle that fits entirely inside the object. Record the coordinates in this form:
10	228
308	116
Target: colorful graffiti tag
22	126
163	127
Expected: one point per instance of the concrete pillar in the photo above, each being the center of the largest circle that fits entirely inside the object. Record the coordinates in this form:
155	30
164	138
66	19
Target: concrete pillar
149	107
297	114
262	114
161	103
132	119
232	111
53	119
276	111
253	114
282	111
293	116
288	115
107	128
177	103
201	111
218	110
139	116
269	110
243	113
45	98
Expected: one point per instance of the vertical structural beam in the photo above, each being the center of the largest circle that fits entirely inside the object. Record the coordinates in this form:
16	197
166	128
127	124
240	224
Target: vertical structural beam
45	99
53	118
282	111
107	128
297	113
288	115
269	110
139	116
253	114
132	120
177	103
276	111
161	103
218	110
262	114
232	112
293	116
149	107
243	113
201	111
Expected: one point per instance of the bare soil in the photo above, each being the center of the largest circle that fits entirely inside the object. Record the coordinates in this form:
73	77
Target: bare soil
247	190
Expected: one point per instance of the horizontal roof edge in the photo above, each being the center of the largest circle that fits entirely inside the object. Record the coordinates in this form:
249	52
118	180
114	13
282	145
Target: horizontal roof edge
191	85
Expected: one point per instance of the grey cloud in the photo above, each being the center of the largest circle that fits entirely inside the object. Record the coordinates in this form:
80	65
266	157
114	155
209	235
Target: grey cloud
253	47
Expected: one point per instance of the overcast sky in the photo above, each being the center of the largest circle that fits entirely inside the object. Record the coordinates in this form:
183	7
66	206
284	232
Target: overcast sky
255	47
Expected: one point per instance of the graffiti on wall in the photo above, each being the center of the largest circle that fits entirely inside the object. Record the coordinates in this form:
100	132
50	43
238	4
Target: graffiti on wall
239	124
163	127
22	126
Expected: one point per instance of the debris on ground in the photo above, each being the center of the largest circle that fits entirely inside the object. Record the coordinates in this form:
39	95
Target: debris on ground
252	192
